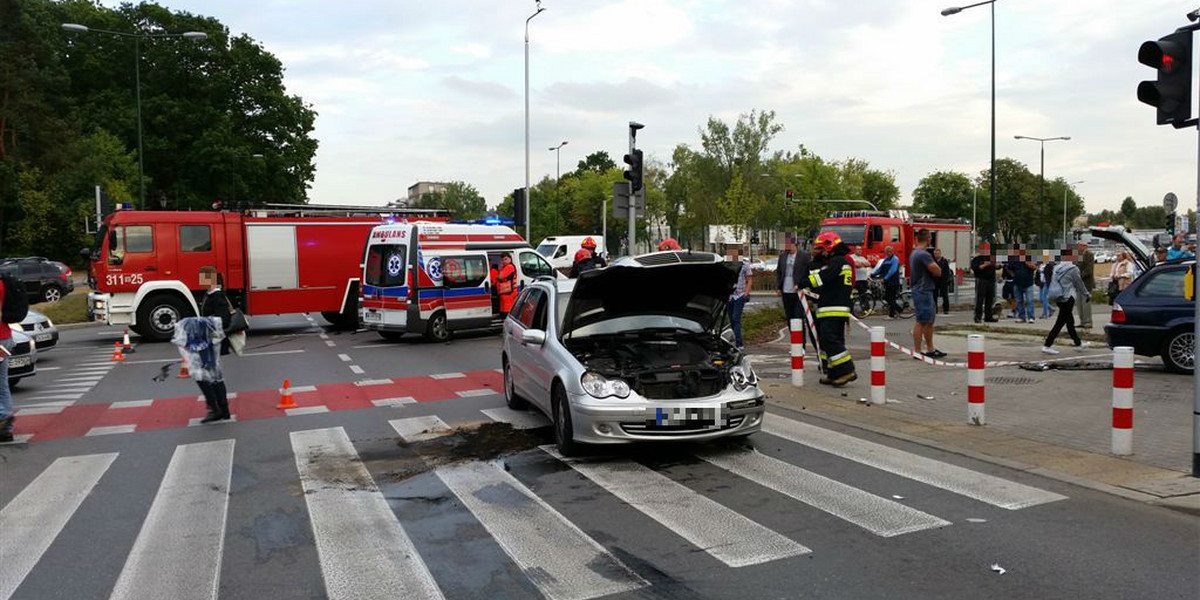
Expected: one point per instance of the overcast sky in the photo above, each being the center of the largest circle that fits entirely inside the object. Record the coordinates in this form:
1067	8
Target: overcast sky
410	91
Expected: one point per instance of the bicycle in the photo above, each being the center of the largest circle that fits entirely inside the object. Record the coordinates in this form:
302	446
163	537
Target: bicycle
865	305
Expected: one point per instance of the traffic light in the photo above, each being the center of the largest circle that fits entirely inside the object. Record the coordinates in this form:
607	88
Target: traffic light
634	172
1171	223
790	195
1171	93
518	207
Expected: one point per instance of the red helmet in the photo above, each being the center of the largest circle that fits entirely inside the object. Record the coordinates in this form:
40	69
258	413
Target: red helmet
668	244
827	240
582	254
589	243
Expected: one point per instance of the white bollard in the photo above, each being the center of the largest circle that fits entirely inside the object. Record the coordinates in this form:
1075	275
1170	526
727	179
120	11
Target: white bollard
797	339
976	375
878	366
1122	401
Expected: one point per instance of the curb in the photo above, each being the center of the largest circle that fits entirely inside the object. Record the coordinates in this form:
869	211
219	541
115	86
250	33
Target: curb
995	460
84	325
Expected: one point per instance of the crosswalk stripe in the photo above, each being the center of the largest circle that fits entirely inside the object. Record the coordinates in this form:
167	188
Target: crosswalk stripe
723	533
363	549
419	429
880	516
564	563
979	486
38	514
85	379
519	419
177	553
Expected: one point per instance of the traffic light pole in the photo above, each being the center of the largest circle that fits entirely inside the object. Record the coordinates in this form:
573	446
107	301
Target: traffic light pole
632	198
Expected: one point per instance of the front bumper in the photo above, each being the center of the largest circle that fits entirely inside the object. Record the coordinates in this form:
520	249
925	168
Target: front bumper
110	309
615	421
45	340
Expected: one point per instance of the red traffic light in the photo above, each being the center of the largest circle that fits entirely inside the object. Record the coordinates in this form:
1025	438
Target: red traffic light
1166	54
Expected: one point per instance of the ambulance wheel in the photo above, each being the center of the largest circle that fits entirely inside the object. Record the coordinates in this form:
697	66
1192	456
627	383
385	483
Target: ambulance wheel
436	330
391	336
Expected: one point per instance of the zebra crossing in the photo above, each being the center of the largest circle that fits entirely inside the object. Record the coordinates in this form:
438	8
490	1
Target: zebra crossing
361	525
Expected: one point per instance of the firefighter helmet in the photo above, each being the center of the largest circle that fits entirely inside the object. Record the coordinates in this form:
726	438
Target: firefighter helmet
588	242
827	240
668	244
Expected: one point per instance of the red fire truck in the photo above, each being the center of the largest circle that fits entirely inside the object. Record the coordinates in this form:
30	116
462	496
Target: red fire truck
876	230
144	267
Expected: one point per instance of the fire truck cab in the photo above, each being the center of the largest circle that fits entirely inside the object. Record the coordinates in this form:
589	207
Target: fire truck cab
878	230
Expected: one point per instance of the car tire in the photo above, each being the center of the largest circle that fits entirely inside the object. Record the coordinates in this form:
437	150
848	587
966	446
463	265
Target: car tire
391	336
437	330
1175	355
158	314
511	398
52	293
13	383
564	432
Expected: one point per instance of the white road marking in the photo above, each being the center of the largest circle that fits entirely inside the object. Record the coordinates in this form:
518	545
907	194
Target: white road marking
52	396
394	401
247	354
62	403
306	410
373	346
303	388
344	357
519	419
330	343
92	370
42	410
177	553
357	370
81	379
110	430
447	376
368	382
106	363
880	516
363	549
68	388
195	421
563	562
40	369
131	404
323	335
479	392
723	533
979	486
419	429
38	514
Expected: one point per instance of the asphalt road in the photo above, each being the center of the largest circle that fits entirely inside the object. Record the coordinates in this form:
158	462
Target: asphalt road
358	496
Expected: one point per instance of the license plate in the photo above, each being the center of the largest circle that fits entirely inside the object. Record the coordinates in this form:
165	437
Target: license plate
682	415
42	337
371	315
20	361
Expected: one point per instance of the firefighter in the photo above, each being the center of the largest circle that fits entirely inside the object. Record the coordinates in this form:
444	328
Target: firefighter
668	244
506	284
586	258
833	282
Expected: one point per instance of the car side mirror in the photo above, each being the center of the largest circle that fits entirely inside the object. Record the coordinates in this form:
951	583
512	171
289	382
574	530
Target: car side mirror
536	337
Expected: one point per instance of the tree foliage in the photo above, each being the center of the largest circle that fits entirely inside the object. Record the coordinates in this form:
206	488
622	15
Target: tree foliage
460	198
945	194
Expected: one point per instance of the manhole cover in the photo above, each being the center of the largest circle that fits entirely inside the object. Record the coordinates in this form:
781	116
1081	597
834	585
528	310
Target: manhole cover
1012	380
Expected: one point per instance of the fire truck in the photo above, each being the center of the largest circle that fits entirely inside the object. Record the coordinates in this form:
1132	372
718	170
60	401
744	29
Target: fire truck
877	230
144	266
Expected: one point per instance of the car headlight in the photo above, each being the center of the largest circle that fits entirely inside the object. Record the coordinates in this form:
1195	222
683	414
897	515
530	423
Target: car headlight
743	376
17	327
49	323
598	386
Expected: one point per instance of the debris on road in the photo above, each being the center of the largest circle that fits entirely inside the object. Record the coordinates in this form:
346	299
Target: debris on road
974	520
924	397
999	569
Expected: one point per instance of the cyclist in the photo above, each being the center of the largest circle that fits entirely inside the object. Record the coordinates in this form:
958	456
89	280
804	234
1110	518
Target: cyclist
888	270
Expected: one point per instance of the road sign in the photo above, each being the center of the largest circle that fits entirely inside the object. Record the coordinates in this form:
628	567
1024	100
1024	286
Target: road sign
621	196
1170	202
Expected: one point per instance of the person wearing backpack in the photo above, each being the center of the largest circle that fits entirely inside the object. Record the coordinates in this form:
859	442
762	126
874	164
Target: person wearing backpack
14	306
1066	288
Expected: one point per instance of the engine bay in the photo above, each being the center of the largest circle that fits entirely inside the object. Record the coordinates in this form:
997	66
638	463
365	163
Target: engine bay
660	365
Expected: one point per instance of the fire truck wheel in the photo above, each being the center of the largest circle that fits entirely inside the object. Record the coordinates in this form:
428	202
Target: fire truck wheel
158	314
436	330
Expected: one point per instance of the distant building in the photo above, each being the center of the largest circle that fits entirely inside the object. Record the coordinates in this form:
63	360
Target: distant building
416	190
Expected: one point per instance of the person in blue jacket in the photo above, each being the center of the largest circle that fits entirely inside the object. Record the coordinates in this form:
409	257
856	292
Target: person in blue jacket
888	270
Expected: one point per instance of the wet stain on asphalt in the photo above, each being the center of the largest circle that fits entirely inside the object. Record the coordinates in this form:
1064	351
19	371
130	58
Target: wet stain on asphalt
488	441
278	532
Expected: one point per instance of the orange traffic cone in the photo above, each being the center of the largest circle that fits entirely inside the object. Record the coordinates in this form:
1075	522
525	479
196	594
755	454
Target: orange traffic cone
183	371
285	396
126	346
117	356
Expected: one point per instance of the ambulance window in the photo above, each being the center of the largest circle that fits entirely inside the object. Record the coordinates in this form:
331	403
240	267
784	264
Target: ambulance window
386	265
532	265
195	238
464	271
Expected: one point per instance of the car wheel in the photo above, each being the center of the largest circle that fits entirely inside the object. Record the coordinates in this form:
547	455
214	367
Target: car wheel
391	336
13	383
158	315
436	330
564	432
52	294
511	398
1179	351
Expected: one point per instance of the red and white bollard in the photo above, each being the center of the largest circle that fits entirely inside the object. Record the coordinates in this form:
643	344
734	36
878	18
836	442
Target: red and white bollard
797	332
878	366
975	380
1122	406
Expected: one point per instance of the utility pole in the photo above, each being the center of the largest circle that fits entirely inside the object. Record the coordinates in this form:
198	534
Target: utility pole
634	160
538	12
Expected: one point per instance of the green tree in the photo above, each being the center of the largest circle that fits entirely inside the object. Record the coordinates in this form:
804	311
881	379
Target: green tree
945	194
1128	207
460	198
1017	207
596	162
1148	217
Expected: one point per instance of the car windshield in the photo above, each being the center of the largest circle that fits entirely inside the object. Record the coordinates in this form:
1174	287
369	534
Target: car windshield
547	250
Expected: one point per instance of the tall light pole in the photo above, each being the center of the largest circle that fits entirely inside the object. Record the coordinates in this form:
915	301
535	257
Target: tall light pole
953	10
536	13
1042	172
1069	186
137	80
557	150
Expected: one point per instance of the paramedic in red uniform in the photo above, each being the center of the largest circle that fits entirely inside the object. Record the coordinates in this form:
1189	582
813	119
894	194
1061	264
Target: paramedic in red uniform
506	284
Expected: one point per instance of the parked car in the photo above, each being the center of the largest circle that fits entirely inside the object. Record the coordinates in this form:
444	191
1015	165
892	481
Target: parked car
1104	256
39	327
611	366
23	360
45	280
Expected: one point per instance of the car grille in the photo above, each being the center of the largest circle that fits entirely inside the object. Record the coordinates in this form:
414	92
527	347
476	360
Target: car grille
677	385
21	348
650	428
670	258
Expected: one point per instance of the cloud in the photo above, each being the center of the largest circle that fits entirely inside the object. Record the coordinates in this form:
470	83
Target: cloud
632	94
473	50
478	89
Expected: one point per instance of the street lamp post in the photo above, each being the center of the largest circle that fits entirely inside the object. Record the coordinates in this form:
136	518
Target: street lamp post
1069	185
1042	171
557	150
538	12
137	80
992	169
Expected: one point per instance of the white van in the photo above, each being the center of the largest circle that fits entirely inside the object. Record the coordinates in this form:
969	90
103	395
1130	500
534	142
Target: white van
560	250
434	278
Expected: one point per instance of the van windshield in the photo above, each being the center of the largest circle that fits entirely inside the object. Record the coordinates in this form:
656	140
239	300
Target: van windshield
547	250
385	265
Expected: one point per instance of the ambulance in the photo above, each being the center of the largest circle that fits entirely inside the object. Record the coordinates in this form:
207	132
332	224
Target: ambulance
434	278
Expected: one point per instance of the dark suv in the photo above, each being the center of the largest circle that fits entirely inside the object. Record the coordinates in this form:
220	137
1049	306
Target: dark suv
45	280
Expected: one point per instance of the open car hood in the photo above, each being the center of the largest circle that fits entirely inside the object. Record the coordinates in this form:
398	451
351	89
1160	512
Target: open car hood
1118	234
689	285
